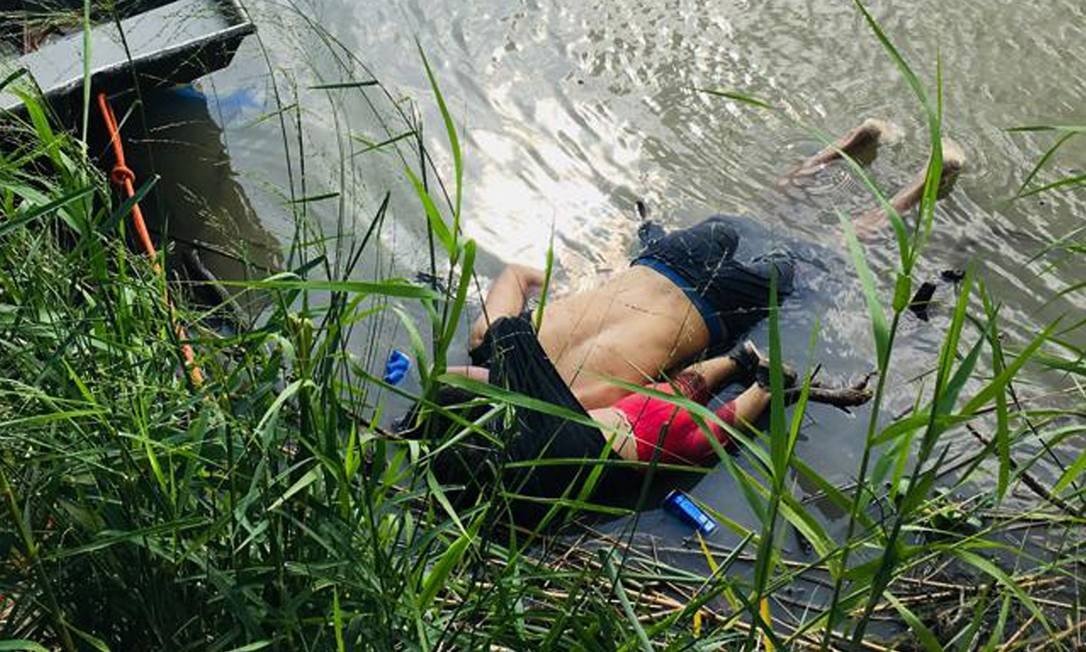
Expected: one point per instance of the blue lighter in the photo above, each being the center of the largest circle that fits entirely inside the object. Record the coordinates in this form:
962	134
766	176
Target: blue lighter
679	504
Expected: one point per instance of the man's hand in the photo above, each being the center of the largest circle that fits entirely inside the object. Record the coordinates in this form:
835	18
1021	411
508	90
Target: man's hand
506	298
529	279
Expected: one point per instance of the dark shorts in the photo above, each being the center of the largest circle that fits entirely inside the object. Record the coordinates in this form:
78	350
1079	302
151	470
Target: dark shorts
730	295
517	362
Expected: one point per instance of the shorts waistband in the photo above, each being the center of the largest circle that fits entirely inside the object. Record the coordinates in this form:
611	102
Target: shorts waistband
709	315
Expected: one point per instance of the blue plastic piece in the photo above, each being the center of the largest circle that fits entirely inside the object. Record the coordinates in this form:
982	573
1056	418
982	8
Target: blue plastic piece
225	107
397	367
188	92
679	504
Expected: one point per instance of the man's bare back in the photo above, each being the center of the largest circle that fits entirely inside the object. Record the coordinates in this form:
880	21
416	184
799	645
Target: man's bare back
634	327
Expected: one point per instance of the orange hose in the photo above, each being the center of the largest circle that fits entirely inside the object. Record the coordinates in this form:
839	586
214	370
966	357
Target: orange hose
123	177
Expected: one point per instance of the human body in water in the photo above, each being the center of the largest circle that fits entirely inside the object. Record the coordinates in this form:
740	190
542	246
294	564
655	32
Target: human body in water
684	295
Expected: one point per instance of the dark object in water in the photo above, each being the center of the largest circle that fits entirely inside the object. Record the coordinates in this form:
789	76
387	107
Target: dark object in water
679	504
158	43
921	300
803	542
213	293
205	288
436	283
839	397
952	275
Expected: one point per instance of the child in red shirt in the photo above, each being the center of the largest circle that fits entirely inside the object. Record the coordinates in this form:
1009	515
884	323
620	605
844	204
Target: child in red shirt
652	423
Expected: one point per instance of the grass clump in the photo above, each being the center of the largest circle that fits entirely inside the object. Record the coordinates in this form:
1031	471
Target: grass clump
142	512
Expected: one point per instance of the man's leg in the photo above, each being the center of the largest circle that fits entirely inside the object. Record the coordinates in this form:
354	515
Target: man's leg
873	221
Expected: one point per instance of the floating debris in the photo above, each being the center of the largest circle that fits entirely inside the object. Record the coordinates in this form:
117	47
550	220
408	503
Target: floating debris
922	300
682	506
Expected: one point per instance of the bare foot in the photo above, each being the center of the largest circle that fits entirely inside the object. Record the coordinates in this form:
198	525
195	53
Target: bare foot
866	135
953	162
872	223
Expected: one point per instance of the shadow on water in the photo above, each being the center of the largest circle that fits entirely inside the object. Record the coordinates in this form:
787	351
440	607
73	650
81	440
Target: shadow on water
197	204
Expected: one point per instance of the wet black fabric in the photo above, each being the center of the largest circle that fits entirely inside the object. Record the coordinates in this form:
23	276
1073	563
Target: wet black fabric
730	295
482	354
518	363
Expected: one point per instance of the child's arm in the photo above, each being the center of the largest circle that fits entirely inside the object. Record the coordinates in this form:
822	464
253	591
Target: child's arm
481	374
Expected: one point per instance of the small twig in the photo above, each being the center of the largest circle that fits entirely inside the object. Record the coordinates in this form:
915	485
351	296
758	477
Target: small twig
841	397
1029	480
865	381
1017	635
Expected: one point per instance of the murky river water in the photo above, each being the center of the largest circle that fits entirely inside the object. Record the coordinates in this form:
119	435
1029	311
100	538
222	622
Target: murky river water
569	112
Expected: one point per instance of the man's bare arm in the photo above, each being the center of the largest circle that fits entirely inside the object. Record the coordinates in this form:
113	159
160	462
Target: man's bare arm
506	298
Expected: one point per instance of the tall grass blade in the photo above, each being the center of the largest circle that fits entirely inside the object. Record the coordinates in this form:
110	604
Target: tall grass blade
346	84
22	646
996	636
922	633
624	601
454	140
1003	432
738	97
12	77
1073	471
544	292
996	573
27	215
86	67
371	145
433	216
879	327
1060	142
1068	182
435	579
